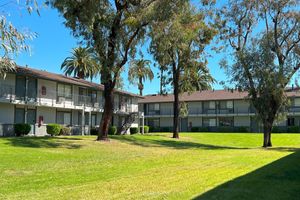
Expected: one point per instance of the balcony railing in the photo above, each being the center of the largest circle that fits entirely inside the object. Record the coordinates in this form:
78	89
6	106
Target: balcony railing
199	111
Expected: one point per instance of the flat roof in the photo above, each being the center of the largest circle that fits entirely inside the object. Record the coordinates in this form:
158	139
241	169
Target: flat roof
42	74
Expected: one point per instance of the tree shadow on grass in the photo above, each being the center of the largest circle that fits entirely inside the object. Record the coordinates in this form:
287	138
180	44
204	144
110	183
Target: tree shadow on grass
42	142
176	144
277	180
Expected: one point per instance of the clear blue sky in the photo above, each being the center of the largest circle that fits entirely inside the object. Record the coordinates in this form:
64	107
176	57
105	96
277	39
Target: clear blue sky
54	43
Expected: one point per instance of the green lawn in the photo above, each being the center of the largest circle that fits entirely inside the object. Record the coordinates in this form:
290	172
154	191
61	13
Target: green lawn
199	166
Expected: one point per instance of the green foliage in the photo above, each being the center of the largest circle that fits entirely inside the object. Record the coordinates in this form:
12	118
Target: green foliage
225	129
65	131
112	130
82	63
134	130
94	131
146	129
166	129
139	71
53	129
203	129
153	129
22	129
12	41
242	129
279	129
269	32
293	129
114	30
195	129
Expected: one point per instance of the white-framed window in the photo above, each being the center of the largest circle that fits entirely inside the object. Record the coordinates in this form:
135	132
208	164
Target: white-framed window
64	90
212	105
64	118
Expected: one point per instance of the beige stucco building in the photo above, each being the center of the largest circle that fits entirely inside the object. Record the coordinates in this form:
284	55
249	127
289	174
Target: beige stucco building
38	98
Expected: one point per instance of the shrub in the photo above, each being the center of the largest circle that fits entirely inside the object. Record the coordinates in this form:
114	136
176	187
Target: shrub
146	129
94	131
53	129
112	130
225	129
293	129
195	129
22	129
203	129
65	131
277	129
153	129
165	129
134	130
242	129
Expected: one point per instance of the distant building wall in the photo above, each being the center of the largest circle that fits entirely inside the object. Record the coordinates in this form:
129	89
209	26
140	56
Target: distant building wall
242	121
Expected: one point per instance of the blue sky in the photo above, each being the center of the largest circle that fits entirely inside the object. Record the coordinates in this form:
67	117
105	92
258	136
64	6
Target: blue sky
54	43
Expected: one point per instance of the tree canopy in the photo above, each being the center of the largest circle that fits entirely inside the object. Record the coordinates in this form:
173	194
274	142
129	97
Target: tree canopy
265	38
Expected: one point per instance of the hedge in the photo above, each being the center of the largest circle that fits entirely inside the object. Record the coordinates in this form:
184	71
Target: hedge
65	131
22	129
146	129
134	130
53	129
293	129
94	131
112	130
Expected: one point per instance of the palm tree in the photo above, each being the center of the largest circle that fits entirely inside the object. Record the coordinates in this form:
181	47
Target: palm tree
82	63
139	71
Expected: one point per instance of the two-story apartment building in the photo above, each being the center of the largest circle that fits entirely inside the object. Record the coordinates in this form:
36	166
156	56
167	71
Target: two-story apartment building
39	97
213	109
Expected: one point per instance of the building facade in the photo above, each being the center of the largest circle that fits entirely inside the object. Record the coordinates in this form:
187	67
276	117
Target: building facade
213	109
38	98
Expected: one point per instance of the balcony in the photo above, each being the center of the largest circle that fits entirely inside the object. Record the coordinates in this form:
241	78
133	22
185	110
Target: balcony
293	109
6	93
166	111
122	108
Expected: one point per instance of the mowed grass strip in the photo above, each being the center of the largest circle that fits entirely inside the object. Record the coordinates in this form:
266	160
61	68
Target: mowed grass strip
154	166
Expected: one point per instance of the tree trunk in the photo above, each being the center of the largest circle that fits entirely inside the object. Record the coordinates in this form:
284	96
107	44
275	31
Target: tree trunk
141	86
267	134
108	112
80	74
161	81
176	102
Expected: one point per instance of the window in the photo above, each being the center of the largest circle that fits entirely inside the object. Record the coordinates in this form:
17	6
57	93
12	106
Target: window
209	122
226	104
20	115
86	118
94	120
64	118
153	108
64	90
226	121
20	87
153	122
291	121
93	95
212	105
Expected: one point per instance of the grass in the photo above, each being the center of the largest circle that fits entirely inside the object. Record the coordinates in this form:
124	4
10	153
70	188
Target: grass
198	166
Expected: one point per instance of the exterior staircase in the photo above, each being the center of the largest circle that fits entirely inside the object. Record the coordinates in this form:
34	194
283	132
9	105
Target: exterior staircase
127	124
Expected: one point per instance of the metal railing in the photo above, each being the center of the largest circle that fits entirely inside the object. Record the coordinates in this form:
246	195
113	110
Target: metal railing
54	99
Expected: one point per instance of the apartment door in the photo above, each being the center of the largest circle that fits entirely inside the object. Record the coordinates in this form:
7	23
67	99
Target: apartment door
31	119
20	87
32	89
184	124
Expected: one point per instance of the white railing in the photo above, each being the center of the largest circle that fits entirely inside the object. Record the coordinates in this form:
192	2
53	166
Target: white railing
54	99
